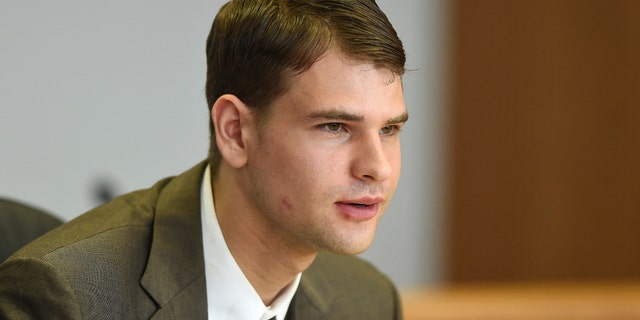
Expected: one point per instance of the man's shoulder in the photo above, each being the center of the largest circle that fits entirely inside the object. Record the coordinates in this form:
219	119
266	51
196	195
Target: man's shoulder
127	212
129	215
94	263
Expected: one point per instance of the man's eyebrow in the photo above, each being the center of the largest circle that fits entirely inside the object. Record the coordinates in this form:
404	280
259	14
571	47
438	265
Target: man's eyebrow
345	116
334	115
399	119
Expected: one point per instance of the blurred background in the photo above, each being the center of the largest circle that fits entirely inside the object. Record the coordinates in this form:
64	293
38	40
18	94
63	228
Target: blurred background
545	141
521	161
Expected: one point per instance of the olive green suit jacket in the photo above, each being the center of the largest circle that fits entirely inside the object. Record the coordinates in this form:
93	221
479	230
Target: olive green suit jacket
140	257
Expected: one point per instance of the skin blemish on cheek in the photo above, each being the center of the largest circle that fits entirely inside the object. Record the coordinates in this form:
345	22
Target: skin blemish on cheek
287	203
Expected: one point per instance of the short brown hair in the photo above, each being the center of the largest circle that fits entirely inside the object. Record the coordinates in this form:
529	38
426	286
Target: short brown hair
256	45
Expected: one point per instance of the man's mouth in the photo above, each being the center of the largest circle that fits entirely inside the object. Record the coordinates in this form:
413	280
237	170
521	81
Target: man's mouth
360	209
362	205
362	202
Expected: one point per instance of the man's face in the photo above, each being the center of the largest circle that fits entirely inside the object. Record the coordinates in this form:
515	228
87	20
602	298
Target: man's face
324	167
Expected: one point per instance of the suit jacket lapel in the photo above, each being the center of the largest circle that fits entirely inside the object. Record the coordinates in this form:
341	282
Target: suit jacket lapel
174	276
313	298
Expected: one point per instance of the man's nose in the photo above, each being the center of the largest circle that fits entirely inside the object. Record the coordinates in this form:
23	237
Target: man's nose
371	162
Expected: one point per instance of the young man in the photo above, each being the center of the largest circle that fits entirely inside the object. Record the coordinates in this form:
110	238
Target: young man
306	105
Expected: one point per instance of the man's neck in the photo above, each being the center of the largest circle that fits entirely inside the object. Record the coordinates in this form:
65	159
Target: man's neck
266	259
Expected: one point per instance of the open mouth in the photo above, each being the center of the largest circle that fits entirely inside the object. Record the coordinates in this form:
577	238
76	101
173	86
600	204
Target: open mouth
360	205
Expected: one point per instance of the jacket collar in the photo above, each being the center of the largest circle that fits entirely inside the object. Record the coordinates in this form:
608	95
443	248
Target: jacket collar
315	293
174	276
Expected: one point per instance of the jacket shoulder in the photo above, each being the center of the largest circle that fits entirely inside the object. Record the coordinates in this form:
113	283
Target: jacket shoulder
129	211
90	263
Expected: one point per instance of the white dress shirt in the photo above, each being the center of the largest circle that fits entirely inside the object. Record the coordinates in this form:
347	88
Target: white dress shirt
229	293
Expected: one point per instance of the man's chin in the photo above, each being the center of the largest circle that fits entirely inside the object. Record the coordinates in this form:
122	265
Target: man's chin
351	248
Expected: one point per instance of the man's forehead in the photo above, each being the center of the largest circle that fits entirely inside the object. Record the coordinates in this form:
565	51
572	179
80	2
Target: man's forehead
349	60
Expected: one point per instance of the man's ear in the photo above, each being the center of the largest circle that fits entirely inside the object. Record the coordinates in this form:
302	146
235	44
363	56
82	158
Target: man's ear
231	119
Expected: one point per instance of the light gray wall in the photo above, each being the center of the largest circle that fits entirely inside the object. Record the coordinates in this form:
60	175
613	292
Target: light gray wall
112	92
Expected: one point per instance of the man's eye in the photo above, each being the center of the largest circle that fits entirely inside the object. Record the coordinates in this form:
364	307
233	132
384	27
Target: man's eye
388	130
333	127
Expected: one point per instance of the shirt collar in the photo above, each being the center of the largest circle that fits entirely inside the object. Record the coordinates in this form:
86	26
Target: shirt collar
229	293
